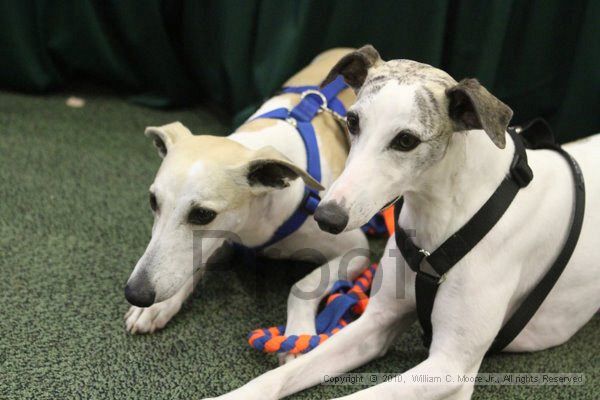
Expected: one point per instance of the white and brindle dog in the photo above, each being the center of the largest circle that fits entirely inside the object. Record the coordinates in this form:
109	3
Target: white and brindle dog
405	143
244	184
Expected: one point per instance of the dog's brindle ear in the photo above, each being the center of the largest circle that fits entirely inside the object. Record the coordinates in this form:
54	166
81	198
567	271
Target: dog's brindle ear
471	106
166	136
354	67
272	170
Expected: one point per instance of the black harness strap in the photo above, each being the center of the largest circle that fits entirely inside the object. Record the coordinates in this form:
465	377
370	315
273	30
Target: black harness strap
534	300
460	243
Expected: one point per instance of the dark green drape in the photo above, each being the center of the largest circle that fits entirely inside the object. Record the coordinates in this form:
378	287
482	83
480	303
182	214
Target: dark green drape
541	57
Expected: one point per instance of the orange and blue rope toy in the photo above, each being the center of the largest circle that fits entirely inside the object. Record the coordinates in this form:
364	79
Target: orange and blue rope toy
347	301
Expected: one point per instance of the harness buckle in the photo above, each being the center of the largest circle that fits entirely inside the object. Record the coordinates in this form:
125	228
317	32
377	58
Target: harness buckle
520	171
317	93
292	121
437	280
429	276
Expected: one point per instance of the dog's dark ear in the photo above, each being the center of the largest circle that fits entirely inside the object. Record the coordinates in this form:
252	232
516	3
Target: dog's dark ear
166	136
269	169
354	67
471	106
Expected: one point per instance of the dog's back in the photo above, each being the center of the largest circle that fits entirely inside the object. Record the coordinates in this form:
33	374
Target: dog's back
576	296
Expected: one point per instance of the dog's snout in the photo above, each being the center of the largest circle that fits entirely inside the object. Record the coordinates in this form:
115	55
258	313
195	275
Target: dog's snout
140	293
331	217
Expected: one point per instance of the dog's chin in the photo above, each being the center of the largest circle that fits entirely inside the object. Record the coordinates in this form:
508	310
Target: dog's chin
361	220
353	225
389	204
358	222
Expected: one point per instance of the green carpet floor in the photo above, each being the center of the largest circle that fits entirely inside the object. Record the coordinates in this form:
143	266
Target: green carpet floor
74	219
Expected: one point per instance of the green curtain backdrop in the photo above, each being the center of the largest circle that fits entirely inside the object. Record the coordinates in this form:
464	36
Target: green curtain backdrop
541	57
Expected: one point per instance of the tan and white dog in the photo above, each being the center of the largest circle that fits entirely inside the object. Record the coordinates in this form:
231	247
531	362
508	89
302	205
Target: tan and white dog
244	184
411	138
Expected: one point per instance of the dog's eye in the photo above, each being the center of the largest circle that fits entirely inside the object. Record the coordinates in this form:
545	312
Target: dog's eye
201	216
404	141
353	123
153	202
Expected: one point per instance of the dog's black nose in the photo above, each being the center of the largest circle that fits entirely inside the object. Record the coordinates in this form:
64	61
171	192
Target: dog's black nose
139	293
331	217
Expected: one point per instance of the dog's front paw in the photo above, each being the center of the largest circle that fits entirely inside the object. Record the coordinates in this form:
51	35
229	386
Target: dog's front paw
151	319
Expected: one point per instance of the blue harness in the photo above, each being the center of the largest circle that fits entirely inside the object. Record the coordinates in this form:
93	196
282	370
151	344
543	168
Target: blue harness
314	100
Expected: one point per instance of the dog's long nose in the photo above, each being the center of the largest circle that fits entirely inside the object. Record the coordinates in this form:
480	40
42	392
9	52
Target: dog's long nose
139	293
331	217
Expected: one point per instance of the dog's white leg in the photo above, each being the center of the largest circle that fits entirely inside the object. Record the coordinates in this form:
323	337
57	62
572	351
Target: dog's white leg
306	294
155	317
388	314
442	369
468	313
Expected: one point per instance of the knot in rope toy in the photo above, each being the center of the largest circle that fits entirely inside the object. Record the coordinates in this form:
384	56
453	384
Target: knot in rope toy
347	301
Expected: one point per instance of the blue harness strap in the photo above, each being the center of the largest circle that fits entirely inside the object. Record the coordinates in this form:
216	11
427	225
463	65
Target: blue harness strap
313	101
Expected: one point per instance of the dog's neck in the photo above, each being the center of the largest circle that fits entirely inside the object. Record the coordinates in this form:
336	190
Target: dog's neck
269	211
452	191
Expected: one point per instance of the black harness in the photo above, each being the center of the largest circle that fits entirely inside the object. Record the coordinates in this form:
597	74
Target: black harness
536	135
